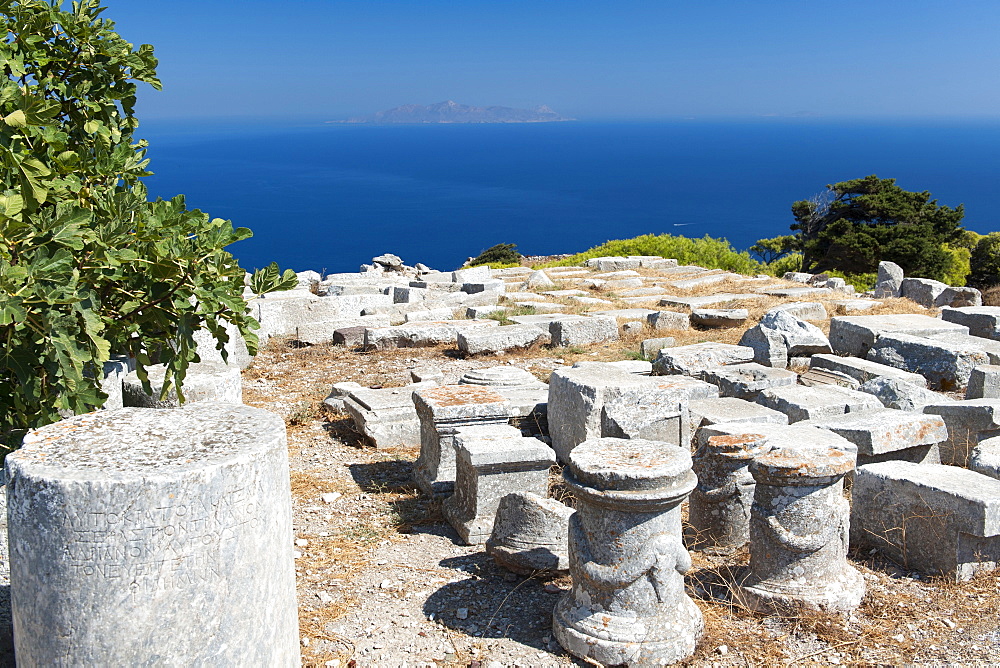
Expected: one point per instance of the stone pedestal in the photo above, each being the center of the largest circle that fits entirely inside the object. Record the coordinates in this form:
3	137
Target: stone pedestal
719	511
442	411
628	603
488	467
145	537
799	533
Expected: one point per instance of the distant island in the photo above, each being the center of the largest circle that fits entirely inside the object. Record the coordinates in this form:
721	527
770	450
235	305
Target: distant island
452	112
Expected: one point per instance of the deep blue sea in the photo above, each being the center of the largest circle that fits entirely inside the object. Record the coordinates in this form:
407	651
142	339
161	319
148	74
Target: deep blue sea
329	197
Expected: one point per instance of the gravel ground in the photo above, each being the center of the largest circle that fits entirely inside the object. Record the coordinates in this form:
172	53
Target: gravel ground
384	581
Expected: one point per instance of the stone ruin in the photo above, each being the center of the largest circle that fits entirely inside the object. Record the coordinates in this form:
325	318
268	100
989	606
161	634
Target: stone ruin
772	447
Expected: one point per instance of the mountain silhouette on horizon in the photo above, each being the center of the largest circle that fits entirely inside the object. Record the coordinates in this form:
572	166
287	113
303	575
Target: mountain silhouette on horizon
450	111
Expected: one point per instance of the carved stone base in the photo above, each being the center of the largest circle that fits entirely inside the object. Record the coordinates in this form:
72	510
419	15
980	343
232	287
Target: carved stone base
841	595
664	638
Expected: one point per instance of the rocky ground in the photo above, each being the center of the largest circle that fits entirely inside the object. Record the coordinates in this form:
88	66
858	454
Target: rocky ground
384	581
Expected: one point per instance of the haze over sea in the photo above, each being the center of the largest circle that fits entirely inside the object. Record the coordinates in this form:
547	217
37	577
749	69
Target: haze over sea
329	197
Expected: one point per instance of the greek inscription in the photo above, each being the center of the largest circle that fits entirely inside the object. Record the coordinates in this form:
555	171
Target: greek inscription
166	547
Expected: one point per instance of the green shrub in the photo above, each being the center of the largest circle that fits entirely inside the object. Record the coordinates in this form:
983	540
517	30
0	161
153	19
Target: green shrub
984	262
785	264
495	256
89	266
957	264
706	252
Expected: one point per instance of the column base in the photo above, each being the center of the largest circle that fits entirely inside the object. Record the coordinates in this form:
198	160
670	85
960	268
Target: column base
665	637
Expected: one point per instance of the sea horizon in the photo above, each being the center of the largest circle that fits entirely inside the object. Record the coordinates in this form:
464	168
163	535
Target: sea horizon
329	196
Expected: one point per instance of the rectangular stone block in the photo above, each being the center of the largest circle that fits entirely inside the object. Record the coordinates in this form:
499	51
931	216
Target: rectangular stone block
945	365
885	431
471	275
650	348
695	359
691	303
863	370
422	334
939	520
984	382
387	416
501	339
982	321
442	411
746	381
968	422
662	320
488	467
988	346
567	333
717	410
429	315
805	403
855	334
626	314
656	410
578	396
613	263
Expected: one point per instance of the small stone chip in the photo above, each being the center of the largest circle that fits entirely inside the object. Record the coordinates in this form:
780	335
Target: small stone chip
330	497
301	542
462	613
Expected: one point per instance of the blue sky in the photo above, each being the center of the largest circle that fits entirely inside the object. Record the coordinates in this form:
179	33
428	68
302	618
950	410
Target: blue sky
326	59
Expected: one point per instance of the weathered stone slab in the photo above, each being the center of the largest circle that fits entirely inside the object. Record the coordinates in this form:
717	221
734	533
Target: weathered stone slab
958	297
582	332
854	305
650	348
988	346
501	339
718	317
898	434
805	403
637	367
694	359
168	528
983	321
968	423
530	534
797	276
794	293
900	395
660	320
541	307
944	364
984	382
421	334
352	337
612	263
798	533
628	604
864	370
386	416
427	315
855	334
746	381
472	275
705	302
718	410
203	382
627	314
324	332
815	376
703	280
923	291
936	519
488	467
803	310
